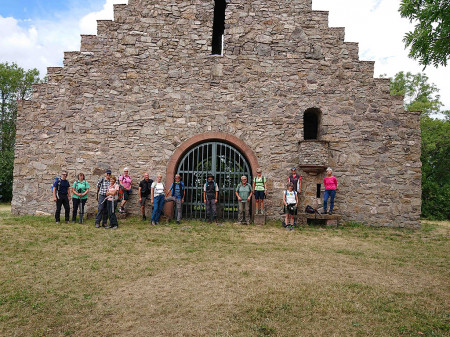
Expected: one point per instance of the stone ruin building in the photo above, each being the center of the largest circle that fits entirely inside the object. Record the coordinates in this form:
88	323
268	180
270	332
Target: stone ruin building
198	86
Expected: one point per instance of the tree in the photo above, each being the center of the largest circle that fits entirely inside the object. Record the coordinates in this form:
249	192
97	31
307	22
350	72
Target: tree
15	84
435	168
429	41
419	94
435	143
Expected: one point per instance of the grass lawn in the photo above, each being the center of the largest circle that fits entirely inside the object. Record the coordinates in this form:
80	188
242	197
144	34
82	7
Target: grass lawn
196	279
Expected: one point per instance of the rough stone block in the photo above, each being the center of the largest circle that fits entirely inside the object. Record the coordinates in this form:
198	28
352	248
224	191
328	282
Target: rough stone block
259	219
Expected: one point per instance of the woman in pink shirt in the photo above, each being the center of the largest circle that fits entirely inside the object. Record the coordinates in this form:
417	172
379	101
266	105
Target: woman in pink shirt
330	183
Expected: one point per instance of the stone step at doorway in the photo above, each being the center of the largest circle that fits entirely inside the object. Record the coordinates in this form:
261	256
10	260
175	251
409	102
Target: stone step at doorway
259	219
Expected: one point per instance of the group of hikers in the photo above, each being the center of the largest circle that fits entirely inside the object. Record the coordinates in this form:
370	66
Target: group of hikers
111	191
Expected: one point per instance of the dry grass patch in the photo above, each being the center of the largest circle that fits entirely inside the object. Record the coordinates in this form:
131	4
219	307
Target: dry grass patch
200	280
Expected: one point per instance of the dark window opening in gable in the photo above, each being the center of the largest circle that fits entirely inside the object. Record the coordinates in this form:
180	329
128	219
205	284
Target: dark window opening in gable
311	123
218	27
319	186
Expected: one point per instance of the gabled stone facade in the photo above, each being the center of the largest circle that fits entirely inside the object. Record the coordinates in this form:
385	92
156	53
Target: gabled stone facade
147	83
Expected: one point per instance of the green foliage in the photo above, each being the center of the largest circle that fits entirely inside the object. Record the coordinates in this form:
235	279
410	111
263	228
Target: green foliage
435	144
419	94
429	41
15	85
435	168
6	174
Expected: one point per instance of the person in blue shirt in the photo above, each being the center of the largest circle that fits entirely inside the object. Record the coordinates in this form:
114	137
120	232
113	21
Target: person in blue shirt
61	195
178	192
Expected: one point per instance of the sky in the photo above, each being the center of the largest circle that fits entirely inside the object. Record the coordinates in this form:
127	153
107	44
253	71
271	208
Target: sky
36	33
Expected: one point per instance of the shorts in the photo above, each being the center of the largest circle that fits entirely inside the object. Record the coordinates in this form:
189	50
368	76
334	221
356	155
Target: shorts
144	198
259	195
126	194
290	209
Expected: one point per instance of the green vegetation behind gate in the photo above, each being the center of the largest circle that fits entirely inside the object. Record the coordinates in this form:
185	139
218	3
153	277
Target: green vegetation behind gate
196	279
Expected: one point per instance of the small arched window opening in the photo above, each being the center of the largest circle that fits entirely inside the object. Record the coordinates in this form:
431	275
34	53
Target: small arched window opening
311	123
218	27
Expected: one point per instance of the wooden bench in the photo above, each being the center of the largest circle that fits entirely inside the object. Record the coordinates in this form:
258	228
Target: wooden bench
329	220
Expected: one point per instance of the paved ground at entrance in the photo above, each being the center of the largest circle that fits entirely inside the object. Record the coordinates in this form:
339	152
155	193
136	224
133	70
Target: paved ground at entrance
195	279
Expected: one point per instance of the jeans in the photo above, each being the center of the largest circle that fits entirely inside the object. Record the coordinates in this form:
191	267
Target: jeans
177	202
244	208
63	200
158	204
111	206
102	213
76	202
211	210
331	194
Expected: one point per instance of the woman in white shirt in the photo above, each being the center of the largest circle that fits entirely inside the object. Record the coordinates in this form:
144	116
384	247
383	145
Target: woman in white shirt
158	192
290	200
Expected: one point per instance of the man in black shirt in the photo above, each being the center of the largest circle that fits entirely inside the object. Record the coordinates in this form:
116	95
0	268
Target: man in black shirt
61	195
145	189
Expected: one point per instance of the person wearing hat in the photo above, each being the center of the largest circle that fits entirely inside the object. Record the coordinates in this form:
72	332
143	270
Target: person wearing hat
260	190
102	190
178	194
210	197
296	180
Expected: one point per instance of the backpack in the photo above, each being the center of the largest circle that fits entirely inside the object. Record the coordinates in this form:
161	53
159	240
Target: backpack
310	210
52	186
263	180
172	188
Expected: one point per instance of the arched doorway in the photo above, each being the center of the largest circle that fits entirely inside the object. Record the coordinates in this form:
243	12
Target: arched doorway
225	156
226	164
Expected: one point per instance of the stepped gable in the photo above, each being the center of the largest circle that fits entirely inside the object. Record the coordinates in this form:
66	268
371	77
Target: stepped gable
148	83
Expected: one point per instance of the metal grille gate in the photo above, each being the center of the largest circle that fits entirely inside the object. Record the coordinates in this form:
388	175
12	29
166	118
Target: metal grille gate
226	164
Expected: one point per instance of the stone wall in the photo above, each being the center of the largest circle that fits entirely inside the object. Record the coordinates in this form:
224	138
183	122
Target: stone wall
147	83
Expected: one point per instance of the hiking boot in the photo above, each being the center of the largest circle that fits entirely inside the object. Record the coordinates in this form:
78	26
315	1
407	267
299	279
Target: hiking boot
178	222
330	213
58	223
153	223
262	212
144	218
97	225
324	212
66	222
114	227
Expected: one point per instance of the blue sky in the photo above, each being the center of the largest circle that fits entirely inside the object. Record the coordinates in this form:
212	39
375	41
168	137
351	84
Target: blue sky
35	33
46	9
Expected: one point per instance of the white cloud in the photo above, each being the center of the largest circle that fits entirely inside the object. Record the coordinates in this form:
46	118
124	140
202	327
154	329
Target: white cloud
378	28
38	44
88	24
41	43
